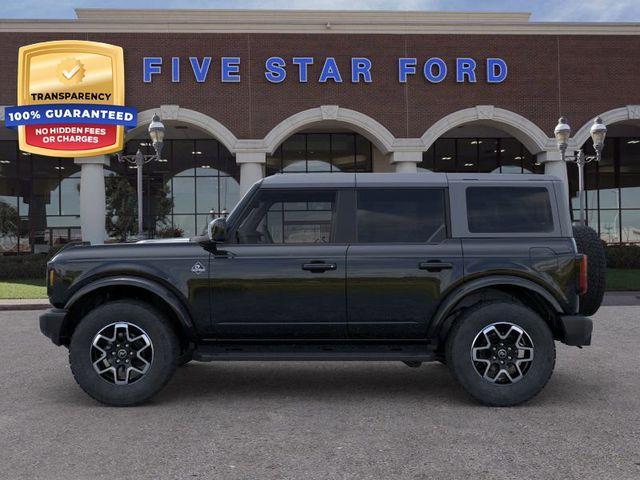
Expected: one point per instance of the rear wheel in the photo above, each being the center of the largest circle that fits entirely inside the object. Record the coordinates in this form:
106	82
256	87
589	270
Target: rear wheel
501	353
122	353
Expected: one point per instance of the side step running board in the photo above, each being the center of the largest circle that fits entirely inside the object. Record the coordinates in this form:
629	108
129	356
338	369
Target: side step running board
309	352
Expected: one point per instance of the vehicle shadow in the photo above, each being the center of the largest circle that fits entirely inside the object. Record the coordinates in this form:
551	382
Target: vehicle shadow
316	381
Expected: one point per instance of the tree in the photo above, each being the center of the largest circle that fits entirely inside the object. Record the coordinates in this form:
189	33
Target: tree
122	207
9	222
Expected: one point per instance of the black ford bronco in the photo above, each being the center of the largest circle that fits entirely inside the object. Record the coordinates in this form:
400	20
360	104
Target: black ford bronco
481	272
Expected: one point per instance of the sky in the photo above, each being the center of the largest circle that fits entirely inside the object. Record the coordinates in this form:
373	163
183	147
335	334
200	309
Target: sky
542	10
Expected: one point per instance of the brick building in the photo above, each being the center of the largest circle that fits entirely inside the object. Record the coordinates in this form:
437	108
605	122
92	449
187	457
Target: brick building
251	93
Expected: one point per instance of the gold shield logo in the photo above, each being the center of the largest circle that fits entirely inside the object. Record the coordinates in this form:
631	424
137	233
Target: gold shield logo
78	74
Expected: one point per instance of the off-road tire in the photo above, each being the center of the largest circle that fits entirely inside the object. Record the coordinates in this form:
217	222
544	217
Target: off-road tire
589	243
458	351
166	350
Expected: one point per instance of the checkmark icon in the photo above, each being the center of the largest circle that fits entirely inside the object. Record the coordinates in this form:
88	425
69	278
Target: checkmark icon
71	73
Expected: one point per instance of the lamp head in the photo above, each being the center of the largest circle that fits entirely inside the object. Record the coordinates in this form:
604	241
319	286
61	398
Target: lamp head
562	133
598	133
156	133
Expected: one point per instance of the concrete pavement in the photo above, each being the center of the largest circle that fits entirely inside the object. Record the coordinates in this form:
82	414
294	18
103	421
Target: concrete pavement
322	420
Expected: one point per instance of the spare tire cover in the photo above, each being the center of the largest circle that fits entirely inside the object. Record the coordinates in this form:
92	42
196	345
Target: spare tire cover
589	243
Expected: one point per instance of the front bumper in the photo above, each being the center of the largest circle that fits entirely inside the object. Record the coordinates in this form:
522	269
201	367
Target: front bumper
52	323
576	330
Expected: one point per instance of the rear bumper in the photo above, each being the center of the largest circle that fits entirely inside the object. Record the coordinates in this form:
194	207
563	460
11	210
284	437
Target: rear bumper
576	330
52	324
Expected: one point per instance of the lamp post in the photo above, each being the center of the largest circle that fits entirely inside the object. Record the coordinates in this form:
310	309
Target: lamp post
562	133
156	133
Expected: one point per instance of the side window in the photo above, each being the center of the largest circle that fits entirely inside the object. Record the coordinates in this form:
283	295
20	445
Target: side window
509	210
401	215
277	217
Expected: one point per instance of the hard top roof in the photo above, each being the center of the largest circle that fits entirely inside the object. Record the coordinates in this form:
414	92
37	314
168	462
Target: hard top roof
421	179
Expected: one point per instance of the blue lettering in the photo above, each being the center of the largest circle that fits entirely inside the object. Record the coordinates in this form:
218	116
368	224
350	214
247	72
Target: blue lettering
175	69
330	71
496	70
406	66
275	69
465	67
428	70
151	66
360	67
200	71
303	64
230	70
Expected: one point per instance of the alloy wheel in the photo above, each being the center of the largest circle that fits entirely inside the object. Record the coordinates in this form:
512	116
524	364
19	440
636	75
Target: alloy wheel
121	353
502	353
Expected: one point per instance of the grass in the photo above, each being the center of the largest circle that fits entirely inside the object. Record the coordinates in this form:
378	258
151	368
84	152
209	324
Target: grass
617	280
27	288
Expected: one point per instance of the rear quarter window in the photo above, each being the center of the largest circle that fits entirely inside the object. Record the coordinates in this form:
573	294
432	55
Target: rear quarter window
509	210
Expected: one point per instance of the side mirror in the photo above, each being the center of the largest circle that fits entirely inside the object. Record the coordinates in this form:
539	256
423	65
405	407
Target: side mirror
217	231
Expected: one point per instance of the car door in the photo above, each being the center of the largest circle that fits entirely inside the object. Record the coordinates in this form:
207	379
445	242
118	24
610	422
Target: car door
283	273
401	262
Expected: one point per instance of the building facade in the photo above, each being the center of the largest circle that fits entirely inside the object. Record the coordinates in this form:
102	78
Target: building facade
251	93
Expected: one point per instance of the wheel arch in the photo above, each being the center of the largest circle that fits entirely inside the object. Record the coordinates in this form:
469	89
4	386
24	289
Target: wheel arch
509	288
121	287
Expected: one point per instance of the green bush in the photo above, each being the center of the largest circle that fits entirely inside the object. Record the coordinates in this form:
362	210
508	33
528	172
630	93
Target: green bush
14	267
623	256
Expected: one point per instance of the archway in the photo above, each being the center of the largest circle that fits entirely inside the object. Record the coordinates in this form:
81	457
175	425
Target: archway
328	139
613	184
519	127
196	179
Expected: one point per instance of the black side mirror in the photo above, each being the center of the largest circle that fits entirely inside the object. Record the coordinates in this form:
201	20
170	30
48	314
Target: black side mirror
217	230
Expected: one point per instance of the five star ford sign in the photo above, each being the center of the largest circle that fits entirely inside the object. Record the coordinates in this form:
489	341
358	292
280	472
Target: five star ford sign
71	99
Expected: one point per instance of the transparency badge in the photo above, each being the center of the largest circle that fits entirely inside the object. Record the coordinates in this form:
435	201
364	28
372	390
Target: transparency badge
70	99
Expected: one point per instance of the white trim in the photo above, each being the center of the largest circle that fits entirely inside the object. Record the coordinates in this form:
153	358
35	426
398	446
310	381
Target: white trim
312	21
629	112
200	120
382	138
532	136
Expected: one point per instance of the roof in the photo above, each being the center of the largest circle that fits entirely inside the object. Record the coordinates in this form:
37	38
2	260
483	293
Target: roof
422	179
310	21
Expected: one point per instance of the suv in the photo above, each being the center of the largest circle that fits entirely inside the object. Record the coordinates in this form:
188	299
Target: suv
480	272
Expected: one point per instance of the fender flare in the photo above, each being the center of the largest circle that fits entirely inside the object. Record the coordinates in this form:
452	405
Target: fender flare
454	297
177	307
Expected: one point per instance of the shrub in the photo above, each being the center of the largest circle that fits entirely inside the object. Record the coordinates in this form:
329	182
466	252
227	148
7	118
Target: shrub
170	232
623	256
23	266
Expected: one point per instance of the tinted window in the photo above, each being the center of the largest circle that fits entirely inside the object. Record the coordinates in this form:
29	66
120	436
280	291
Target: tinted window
277	217
509	210
401	215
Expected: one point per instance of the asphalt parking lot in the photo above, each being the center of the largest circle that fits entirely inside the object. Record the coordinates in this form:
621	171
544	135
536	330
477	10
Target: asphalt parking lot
322	420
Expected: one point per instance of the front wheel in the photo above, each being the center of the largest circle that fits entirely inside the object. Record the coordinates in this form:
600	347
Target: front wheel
502	353
123	352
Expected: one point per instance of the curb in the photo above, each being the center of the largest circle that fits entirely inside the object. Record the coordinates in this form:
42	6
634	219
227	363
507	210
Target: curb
16	305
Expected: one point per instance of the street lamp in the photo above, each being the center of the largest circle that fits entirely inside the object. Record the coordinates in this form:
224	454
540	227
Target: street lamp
562	133
156	133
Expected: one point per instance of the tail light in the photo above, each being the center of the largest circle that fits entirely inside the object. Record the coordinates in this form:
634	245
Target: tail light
583	282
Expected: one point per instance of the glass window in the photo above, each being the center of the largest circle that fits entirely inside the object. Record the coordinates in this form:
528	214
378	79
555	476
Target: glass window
509	210
445	155
294	154
343	152
207	198
319	152
400	215
289	217
488	152
467	154
184	195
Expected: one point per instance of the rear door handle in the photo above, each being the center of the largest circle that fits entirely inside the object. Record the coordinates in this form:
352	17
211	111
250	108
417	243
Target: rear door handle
318	267
435	266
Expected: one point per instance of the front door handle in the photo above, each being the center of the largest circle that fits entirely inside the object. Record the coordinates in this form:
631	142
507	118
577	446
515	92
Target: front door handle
435	266
318	267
